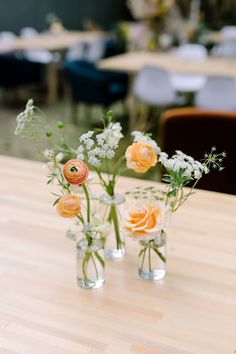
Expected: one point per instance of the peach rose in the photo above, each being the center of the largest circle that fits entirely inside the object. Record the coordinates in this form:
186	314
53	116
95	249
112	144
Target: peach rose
69	206
140	157
75	172
145	220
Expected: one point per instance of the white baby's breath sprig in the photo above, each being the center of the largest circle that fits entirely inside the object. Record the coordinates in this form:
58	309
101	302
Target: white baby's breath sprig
145	138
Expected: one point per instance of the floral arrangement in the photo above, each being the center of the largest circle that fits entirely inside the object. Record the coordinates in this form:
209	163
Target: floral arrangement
147	221
148	210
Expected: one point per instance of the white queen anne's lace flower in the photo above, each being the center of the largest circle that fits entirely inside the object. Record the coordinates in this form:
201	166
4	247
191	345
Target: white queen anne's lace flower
183	163
86	139
24	117
80	153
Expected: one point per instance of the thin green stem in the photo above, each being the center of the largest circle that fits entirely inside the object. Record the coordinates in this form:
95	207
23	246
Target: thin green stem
183	198
95	266
114	217
156	250
100	259
84	266
88	201
144	252
149	256
80	217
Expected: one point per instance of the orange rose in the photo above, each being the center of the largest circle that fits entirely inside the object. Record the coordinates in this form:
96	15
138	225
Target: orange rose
75	172
69	206
145	220
140	157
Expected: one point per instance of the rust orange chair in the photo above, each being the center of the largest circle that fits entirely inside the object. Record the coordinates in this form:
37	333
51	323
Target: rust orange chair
195	131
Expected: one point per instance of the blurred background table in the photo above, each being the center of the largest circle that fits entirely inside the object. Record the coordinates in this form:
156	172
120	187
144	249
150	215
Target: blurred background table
55	42
132	62
59	42
193	310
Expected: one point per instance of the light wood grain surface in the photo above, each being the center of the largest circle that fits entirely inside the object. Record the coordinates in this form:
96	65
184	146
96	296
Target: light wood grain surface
132	62
53	42
42	311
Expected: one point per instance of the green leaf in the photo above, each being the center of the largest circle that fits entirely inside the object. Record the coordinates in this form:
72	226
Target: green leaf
172	193
56	201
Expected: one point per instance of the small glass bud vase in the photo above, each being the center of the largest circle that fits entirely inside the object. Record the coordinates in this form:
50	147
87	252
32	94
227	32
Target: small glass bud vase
153	258
90	264
111	212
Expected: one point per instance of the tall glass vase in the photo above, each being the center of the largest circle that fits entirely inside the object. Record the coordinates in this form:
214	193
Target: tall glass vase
152	258
90	263
111	212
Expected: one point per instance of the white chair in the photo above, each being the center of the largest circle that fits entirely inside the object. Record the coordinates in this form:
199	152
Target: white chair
95	50
35	55
191	51
28	32
76	52
152	86
7	39
229	32
7	36
187	82
219	93
226	49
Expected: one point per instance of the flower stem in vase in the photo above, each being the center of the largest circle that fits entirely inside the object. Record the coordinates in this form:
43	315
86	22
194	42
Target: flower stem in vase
90	264
115	245
114	218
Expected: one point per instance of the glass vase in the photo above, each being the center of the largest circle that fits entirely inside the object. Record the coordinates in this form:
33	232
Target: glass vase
90	264
153	258
111	212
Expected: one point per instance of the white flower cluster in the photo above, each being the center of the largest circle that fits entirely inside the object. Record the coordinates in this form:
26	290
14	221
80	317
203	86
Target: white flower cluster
101	146
24	117
50	155
111	135
142	137
181	162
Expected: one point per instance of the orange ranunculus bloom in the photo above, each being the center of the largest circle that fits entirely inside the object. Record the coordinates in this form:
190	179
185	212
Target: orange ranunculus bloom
146	220
75	172
69	206
140	157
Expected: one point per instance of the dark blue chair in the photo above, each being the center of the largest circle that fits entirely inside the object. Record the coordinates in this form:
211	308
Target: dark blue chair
89	85
16	72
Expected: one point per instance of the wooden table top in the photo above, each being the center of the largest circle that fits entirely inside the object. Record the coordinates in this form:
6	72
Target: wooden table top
53	42
132	62
191	311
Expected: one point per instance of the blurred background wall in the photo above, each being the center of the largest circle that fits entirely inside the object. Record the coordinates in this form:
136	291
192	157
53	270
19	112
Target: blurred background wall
71	12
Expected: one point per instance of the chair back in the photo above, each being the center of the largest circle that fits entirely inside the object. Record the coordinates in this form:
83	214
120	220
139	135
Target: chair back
229	32
153	86
219	93
195	131
7	36
28	32
226	49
